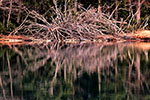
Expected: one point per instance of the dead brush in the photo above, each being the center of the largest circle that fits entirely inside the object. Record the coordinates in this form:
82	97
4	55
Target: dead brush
68	24
85	24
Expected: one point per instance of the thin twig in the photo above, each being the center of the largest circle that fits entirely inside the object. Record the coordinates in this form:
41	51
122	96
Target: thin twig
9	14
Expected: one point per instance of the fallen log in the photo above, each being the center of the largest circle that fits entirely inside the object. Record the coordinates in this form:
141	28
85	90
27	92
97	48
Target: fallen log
141	35
14	38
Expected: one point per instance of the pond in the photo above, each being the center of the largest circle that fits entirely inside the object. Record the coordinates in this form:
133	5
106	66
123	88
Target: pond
86	71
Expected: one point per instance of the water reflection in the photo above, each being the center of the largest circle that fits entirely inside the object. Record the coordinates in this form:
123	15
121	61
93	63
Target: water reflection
75	71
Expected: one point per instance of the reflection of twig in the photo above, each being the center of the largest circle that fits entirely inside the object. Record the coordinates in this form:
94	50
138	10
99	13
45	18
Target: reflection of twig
130	65
21	54
10	76
65	72
1	84
137	65
146	55
39	64
99	78
53	80
20	76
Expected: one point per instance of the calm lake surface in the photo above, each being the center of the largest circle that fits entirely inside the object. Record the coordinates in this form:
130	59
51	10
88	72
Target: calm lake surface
95	71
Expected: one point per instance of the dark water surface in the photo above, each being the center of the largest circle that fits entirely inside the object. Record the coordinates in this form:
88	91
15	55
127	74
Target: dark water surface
75	72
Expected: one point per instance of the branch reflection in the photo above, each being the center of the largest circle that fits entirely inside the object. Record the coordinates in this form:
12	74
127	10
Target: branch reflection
75	71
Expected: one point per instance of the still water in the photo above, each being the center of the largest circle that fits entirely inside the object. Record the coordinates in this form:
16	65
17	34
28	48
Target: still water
105	71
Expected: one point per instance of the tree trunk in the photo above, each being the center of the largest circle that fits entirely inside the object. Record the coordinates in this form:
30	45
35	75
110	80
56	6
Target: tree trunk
75	5
10	8
138	9
99	7
0	2
19	13
116	12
